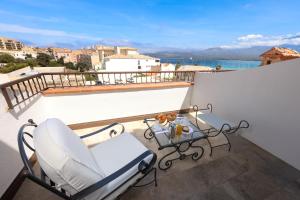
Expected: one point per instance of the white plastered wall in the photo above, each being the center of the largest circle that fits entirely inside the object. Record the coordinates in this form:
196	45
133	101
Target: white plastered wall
267	97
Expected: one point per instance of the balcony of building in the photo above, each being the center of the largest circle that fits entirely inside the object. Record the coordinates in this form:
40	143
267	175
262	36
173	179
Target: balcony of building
262	164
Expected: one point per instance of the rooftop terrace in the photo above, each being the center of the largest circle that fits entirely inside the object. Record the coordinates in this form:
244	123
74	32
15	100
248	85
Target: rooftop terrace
264	161
247	172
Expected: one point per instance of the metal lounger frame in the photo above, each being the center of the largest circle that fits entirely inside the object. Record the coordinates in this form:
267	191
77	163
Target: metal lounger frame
143	167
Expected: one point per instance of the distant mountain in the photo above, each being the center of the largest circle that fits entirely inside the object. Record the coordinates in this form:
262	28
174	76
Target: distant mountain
219	53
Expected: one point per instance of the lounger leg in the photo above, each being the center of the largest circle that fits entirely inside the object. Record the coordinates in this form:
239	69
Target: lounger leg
229	144
155	176
211	148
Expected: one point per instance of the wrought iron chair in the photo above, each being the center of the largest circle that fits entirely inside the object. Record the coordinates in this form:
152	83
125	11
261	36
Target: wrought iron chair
72	171
217	126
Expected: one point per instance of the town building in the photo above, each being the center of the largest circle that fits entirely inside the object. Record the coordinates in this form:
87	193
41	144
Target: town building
106	51
130	62
58	53
10	44
16	48
277	54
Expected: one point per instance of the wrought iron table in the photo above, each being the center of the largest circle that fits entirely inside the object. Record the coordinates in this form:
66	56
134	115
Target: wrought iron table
180	144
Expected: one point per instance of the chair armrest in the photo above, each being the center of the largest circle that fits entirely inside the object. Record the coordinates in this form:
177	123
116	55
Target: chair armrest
103	129
115	175
208	107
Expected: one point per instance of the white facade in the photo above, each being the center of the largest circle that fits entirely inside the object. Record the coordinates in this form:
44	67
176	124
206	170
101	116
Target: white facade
167	67
130	64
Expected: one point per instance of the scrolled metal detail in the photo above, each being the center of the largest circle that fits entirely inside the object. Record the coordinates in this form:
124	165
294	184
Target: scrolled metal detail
148	134
196	155
168	163
113	132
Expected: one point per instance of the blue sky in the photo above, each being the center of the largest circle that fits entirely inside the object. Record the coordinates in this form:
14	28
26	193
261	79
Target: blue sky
152	24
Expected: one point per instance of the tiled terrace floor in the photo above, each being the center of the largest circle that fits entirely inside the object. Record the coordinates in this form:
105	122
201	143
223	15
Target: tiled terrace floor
247	172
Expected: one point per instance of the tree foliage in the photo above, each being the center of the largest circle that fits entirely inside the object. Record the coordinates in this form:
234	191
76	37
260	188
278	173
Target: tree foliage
43	59
61	61
70	65
177	66
83	66
218	67
6	58
12	67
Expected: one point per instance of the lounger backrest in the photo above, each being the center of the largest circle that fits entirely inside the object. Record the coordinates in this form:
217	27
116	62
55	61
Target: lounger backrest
64	157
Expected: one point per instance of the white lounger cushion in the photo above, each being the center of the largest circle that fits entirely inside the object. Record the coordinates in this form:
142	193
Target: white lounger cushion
69	163
114	154
64	157
214	121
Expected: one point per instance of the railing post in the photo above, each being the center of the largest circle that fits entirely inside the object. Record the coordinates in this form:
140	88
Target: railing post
7	99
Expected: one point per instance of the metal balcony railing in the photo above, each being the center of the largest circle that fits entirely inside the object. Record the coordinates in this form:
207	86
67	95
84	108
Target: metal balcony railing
18	91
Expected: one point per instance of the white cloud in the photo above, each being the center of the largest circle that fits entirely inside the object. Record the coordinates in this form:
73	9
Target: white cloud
264	40
249	37
12	28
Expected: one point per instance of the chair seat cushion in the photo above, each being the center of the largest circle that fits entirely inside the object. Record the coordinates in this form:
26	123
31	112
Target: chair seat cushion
64	157
114	154
214	121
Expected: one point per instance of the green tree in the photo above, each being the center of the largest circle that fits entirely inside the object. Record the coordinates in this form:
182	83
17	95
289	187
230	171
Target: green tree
6	58
43	59
218	67
70	65
19	60
61	61
82	66
31	62
28	56
12	67
177	66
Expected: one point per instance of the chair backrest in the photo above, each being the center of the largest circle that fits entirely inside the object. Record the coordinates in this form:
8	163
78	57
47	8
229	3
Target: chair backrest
64	157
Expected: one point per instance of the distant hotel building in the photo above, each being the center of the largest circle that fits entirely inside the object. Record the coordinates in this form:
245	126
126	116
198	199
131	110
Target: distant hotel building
16	48
10	44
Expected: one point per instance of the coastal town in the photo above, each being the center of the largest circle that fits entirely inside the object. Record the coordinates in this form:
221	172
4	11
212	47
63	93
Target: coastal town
19	59
149	100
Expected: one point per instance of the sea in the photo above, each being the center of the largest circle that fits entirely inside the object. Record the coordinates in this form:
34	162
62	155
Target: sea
226	64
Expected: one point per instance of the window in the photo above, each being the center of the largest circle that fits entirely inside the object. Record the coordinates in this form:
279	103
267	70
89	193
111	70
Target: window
139	67
269	62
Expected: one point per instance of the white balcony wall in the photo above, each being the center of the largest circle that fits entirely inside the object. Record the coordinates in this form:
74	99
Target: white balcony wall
267	97
99	106
77	109
10	122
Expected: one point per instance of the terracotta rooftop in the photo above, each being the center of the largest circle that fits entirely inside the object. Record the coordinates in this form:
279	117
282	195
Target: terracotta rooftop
282	51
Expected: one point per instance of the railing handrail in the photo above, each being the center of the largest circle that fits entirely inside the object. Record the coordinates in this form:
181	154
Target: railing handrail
112	72
7	84
18	91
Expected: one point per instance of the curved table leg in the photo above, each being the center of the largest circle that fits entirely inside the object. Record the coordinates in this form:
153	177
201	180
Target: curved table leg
165	164
168	163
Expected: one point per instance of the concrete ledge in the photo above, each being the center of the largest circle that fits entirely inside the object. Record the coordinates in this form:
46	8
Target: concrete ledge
106	88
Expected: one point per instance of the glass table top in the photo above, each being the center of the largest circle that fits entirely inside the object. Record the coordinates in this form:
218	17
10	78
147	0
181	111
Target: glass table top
162	133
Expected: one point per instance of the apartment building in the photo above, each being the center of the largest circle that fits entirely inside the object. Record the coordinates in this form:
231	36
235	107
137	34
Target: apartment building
130	62
58	53
106	51
10	44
